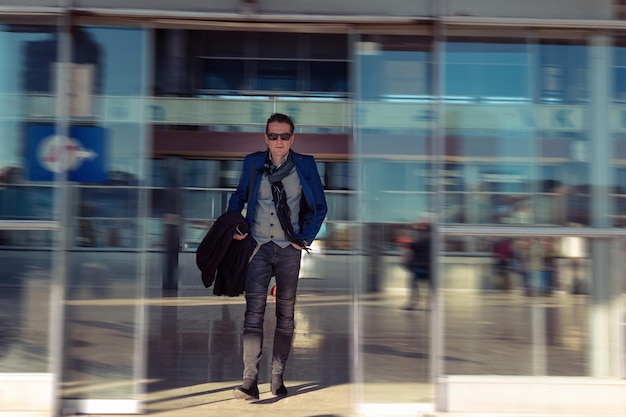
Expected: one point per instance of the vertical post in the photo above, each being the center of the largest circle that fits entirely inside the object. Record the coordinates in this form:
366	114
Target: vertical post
58	280
438	136
171	240
357	269
601	364
141	332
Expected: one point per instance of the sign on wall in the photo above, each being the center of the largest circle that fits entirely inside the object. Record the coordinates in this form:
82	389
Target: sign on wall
81	154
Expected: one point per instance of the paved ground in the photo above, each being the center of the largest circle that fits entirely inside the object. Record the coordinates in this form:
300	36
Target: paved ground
194	351
352	356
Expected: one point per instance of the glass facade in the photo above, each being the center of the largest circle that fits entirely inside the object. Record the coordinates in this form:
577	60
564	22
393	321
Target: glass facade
543	290
122	145
394	137
499	131
26	214
73	208
104	290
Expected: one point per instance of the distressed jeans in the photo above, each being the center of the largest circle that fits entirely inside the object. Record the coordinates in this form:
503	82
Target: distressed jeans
283	263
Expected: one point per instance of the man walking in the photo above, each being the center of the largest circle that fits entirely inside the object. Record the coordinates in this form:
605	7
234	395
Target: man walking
286	206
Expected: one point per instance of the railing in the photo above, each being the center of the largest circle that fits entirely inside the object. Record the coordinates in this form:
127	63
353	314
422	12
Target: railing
29	225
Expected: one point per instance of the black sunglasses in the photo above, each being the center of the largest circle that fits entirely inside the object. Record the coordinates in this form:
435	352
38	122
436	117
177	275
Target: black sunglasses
282	136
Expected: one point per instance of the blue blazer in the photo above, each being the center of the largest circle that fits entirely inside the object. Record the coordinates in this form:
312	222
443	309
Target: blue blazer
313	206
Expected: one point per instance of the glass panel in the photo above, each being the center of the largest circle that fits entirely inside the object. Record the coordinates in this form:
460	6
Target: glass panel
225	44
105	279
106	217
229	173
521	161
328	46
518	306
486	70
201	173
157	203
337	235
224	75
620	284
245	62
276	76
24	305
328	77
204	204
28	52
393	127
618	131
277	45
563	71
108	202
26	202
339	206
337	175
158	173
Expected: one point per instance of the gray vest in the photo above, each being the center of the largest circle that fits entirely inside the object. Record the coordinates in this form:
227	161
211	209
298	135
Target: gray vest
265	225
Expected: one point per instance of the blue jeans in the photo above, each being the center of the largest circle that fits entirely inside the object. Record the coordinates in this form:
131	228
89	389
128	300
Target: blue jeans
283	263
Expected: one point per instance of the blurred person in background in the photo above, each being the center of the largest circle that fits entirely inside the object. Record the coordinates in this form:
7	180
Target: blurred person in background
417	258
520	263
172	248
503	256
536	266
286	206
550	257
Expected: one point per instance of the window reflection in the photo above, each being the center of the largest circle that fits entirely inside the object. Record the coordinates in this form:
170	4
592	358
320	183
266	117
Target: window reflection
531	170
563	71
527	298
617	132
224	75
487	69
234	62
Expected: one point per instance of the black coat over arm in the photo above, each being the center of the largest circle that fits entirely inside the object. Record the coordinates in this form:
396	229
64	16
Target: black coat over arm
222	259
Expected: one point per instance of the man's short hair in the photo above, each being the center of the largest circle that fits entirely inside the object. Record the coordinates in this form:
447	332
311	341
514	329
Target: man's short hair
279	118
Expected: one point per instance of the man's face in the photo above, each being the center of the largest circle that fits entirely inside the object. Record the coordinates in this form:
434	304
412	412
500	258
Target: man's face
279	148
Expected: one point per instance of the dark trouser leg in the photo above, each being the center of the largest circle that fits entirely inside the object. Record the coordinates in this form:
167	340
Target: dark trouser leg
287	271
252	342
257	283
283	335
252	350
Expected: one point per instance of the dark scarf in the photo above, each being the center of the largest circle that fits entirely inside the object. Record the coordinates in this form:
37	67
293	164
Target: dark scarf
275	176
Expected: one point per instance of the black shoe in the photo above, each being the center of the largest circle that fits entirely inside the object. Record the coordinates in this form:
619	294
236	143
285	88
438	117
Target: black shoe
277	386
248	391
